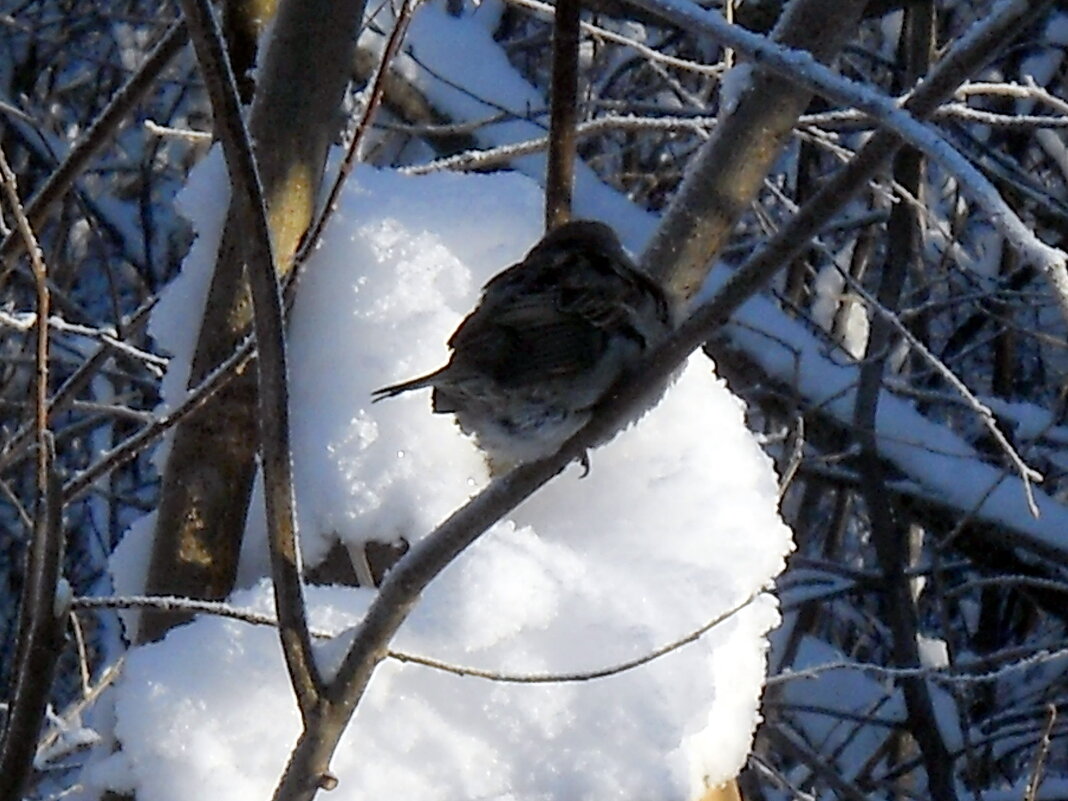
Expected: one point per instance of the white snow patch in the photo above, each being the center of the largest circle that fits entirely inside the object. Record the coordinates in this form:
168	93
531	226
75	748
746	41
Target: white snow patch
675	525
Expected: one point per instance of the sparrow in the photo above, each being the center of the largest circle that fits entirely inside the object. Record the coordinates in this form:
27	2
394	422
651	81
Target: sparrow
549	339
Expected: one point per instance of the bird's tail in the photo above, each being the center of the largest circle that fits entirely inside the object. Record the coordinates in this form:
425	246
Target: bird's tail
405	386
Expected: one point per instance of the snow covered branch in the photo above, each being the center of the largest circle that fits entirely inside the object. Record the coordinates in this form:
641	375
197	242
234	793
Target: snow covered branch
730	168
801	68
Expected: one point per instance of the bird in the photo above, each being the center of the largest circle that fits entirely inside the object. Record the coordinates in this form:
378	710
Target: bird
549	339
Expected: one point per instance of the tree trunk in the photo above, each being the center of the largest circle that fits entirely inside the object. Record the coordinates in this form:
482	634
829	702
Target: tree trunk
208	477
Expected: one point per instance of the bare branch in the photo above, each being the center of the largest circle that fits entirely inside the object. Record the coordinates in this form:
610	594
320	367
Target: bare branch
40	324
42	612
99	133
271	364
42	609
586	675
1035	781
560	170
175	603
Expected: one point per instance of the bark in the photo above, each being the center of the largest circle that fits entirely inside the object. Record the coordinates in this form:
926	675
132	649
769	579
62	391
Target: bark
889	530
561	167
730	169
42	617
208	477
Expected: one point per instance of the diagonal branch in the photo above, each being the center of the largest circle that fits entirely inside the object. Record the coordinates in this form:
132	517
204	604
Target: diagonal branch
729	170
801	68
98	134
308	769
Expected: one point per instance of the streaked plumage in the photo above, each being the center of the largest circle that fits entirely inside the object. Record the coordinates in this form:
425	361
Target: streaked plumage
548	340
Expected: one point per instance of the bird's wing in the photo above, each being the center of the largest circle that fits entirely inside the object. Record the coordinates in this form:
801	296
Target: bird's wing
527	339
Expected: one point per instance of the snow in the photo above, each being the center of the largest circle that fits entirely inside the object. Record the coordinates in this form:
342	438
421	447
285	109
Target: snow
934	652
801	67
171	325
482	84
231	720
675	525
939	463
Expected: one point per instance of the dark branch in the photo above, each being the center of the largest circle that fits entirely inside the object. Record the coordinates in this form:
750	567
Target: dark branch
271	364
560	176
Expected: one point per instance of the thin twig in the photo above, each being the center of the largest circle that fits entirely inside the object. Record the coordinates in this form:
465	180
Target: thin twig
99	133
84	672
502	154
147	436
1027	91
1035	780
40	279
586	675
197	137
480	159
960	674
24	321
560	167
175	603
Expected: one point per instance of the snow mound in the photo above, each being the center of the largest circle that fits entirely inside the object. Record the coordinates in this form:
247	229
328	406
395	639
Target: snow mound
675	525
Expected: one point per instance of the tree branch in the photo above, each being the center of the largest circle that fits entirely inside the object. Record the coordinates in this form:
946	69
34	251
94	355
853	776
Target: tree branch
563	116
97	135
890	534
43	608
273	395
730	168
683	244
42	612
